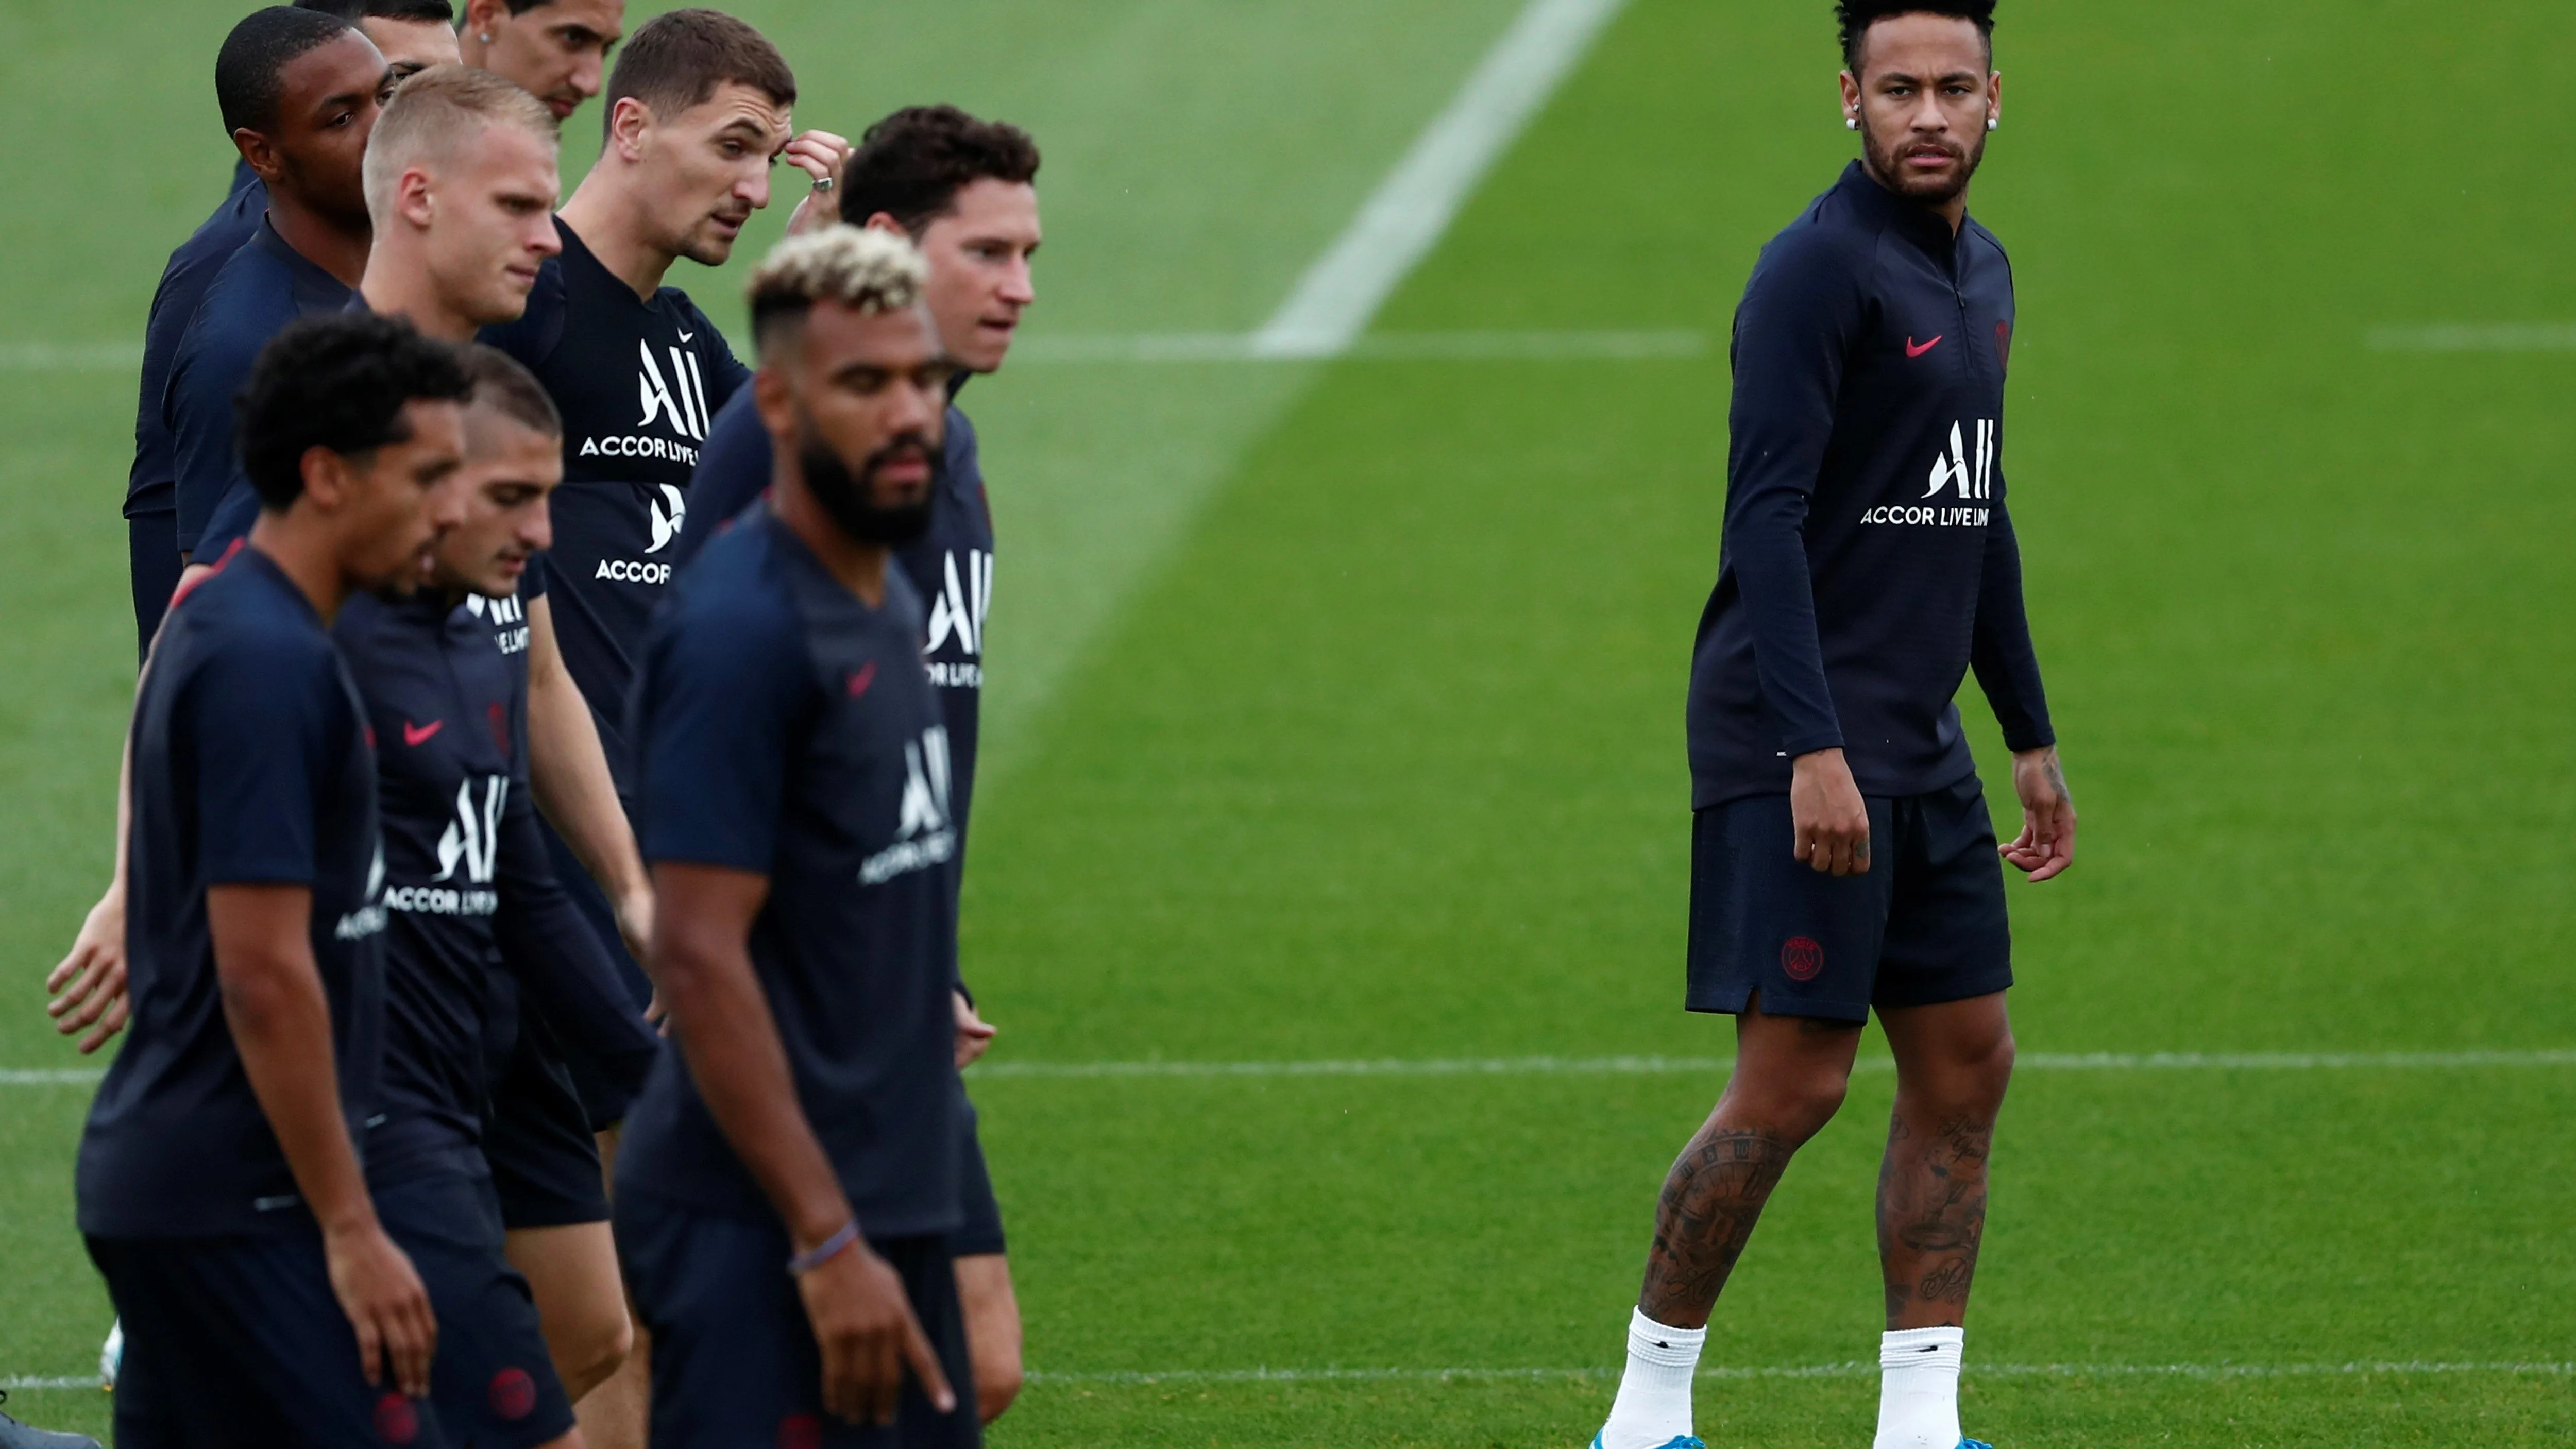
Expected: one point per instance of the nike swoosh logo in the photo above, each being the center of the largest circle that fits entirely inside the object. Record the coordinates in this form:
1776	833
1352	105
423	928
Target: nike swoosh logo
418	735
692	336
1913	351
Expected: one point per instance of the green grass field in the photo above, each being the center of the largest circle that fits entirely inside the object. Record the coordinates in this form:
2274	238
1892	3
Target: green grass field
1337	715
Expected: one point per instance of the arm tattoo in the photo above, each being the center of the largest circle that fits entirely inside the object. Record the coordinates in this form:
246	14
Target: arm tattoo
1712	1198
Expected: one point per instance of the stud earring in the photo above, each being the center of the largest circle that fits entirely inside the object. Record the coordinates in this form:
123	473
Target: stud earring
484	36
1851	123
1993	125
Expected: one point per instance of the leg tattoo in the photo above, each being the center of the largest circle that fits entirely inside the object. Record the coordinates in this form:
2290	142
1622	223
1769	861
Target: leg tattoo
1711	1200
1932	1217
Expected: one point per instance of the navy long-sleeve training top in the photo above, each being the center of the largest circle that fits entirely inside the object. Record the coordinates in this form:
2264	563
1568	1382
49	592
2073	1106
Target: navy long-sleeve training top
1868	561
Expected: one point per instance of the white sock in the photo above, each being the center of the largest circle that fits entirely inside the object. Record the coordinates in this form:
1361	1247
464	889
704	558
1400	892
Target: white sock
1918	1389
1654	1404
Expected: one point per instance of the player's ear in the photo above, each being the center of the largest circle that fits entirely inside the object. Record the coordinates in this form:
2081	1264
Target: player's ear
627	123
774	398
259	152
884	221
326	478
411	197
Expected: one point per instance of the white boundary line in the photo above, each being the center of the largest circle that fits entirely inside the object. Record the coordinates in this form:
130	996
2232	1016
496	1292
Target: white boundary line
2477	337
1401	221
1643	1066
1150	347
2203	1371
1664	1066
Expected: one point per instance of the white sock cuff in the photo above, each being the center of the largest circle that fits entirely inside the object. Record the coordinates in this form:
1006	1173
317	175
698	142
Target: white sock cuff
1666	1347
1922	1348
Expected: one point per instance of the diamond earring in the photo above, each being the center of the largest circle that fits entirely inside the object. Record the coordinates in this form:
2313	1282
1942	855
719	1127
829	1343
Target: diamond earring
1993	125
484	36
1851	123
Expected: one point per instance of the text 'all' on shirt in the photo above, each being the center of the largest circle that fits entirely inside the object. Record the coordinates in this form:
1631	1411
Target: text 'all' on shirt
251	767
638	383
1868	559
787	730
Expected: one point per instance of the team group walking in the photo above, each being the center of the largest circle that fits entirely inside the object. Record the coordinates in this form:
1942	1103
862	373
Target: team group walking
533	938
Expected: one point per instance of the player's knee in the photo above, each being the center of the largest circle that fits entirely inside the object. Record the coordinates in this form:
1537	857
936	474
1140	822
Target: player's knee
596	1353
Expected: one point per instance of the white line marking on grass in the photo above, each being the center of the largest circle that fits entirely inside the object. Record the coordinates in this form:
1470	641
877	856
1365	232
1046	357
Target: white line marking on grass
1661	1066
22	1382
53	1077
69	356
2207	1371
1407	214
1150	347
2477	337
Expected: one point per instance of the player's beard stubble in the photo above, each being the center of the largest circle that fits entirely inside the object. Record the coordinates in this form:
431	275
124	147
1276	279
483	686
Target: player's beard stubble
850	497
1887	163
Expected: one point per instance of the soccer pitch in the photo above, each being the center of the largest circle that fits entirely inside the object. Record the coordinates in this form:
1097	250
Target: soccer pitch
1337	755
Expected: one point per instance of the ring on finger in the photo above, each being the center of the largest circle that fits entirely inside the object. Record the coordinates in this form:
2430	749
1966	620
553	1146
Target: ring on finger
822	183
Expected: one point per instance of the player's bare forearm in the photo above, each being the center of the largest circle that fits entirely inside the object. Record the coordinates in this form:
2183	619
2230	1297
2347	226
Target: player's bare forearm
88	985
702	960
2046	845
1831	818
568	772
280	1020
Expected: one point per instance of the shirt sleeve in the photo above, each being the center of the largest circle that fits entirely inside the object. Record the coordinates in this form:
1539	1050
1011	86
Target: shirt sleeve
234	517
1802	313
733	470
268	721
724	695
2006	665
557	957
215	359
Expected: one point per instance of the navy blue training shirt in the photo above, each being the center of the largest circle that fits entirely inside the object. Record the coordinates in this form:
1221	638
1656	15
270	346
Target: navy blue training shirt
468	883
262	287
638	383
787	729
251	767
1868	561
950	565
149	485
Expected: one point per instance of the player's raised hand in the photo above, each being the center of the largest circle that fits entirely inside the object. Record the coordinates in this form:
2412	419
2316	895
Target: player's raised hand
818	154
865	1327
2046	846
88	986
382	1294
1831	818
974	1033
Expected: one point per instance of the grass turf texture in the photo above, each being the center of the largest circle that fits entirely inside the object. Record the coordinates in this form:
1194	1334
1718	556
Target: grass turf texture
1382	756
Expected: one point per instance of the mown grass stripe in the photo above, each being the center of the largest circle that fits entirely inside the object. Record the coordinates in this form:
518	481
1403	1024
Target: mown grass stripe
1657	1066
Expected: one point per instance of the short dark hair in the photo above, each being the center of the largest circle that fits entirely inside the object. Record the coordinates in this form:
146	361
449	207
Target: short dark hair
679	58
410	10
339	381
500	382
1857	16
257	52
912	164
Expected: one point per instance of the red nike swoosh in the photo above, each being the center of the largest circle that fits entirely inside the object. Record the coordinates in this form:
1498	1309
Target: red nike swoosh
1913	351
418	735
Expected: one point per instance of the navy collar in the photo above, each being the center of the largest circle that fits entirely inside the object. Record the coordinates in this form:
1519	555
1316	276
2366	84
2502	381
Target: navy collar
1920	224
315	289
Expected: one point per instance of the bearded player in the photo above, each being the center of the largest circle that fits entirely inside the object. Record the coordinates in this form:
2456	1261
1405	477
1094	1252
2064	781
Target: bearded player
1842	858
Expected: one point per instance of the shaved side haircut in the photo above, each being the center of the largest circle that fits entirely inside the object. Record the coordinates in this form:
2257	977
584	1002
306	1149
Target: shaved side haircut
912	164
250	66
509	389
679	59
1855	17
871	271
437	116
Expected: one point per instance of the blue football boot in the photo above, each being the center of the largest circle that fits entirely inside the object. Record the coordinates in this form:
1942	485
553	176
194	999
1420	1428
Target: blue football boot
1678	1441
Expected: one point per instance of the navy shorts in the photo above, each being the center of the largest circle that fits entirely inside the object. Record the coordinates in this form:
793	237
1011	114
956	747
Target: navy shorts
236	1342
493	1383
981	1234
1924	924
734	1360
537	1138
152	549
603	1100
